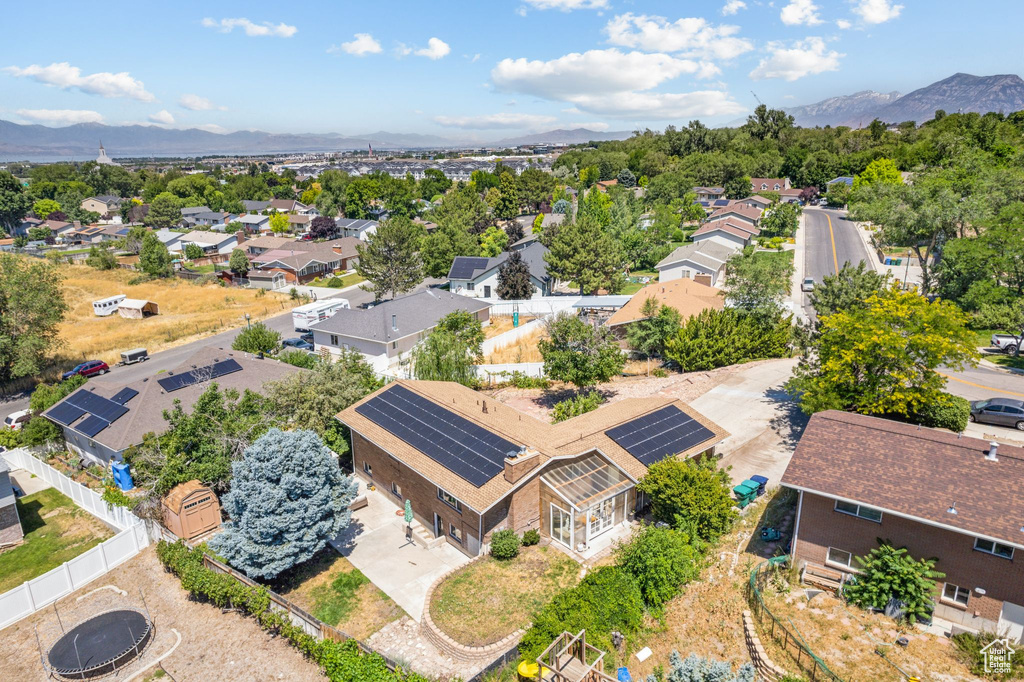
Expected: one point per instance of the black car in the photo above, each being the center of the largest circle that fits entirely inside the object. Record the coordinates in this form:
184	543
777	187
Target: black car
300	344
1001	411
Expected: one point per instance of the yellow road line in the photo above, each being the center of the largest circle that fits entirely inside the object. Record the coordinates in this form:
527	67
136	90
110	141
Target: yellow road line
832	236
987	388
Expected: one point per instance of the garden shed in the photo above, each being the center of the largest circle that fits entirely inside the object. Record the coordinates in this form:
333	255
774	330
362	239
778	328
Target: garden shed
191	509
136	308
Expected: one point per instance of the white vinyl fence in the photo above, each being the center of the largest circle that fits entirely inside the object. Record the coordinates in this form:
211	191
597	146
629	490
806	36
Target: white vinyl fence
538	305
503	372
511	336
133	537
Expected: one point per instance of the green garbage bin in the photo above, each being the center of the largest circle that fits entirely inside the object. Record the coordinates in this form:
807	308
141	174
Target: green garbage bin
745	493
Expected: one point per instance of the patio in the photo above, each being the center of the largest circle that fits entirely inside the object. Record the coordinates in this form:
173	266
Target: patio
375	543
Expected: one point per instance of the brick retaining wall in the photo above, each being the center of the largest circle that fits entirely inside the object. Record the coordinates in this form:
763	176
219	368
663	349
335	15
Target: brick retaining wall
762	664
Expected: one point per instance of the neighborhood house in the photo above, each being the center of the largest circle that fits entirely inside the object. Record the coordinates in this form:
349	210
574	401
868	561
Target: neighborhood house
478	277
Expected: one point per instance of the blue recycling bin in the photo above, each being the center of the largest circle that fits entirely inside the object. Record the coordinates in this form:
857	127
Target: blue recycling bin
622	675
122	476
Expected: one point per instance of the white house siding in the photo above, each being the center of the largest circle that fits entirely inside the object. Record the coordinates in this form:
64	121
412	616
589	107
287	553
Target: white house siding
89	449
479	286
686	269
724	238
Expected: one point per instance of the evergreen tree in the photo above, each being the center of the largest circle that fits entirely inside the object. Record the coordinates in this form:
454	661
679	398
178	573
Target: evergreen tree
514	230
657	325
288	498
626	178
389	260
14	202
507	206
164	211
514	279
154	258
584	253
239	263
440	249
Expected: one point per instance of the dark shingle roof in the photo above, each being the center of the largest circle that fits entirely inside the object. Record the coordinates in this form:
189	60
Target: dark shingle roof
913	472
413	314
531	251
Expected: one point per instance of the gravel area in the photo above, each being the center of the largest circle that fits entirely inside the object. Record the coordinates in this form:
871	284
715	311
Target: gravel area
213	646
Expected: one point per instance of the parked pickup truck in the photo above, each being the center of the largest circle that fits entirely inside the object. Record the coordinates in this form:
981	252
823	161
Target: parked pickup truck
1008	343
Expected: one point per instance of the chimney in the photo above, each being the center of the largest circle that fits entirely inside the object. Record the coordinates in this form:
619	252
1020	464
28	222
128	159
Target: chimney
993	448
518	464
240	237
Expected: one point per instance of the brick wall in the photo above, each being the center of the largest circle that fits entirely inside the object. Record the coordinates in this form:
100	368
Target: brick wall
1002	580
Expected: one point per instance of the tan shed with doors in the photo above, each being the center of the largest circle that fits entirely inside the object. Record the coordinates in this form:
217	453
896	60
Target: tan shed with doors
190	510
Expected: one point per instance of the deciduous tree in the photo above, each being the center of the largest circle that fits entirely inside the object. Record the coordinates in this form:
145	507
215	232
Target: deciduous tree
239	263
693	496
164	211
257	338
389	260
578	353
154	258
14	202
493	241
278	223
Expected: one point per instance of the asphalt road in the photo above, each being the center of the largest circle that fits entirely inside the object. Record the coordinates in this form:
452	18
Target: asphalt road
830	241
172	357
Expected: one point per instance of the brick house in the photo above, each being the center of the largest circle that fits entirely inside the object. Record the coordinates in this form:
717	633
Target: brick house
939	494
470	465
301	262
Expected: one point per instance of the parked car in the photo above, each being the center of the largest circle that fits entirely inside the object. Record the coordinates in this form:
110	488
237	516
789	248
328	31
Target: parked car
15	420
1008	343
1001	411
807	284
307	337
88	368
300	344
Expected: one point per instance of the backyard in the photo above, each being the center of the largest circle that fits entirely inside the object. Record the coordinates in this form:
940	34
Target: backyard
338	282
489	599
331	589
187	311
503	323
55	531
523	349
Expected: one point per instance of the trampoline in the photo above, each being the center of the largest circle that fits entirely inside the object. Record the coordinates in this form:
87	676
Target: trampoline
100	645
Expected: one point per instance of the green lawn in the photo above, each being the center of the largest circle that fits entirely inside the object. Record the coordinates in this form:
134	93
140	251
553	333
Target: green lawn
55	531
633	287
346	281
205	269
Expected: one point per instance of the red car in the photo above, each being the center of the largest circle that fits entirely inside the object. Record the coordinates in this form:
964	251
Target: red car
89	368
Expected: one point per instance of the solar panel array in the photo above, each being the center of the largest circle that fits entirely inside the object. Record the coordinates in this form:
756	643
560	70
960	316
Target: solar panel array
721	202
661	433
124	395
99	412
176	382
465	266
469	451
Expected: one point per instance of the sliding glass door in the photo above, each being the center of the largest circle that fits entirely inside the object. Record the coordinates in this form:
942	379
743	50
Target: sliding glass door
561	525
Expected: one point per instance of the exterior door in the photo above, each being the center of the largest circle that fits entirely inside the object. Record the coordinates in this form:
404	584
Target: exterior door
561	525
602	516
487	291
438	526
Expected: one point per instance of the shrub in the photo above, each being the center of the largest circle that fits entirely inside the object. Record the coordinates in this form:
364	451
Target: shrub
691	495
38	431
9	438
573	407
531	537
523	380
889	573
951	414
505	544
696	668
257	338
607	599
659	372
336	282
969	645
718	338
660	560
299	358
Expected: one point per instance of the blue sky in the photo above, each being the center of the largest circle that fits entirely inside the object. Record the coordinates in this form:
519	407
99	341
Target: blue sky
481	70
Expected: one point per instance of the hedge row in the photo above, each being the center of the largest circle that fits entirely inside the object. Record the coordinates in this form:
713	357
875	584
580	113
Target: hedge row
340	661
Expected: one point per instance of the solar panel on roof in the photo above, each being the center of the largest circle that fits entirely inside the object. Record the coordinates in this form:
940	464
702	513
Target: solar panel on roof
195	376
662	433
721	202
465	266
65	413
467	450
124	395
93	425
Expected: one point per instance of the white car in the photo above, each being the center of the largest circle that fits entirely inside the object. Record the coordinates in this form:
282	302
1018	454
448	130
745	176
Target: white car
807	284
15	420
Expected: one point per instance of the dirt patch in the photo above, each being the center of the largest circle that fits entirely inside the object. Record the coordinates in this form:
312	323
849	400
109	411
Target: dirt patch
214	645
503	323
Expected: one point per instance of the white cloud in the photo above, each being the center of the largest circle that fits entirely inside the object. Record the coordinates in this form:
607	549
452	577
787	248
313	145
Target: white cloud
800	13
197	103
60	116
475	58
162	117
401	50
251	28
361	45
598	126
567	5
801	58
64	76
435	49
610	83
489	121
212	128
732	7
691	36
876	11
843	24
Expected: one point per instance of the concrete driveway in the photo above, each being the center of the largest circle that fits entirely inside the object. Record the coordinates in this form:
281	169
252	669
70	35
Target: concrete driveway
375	544
763	422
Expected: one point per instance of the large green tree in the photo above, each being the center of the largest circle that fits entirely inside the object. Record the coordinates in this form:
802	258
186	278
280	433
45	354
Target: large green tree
758	282
508	198
154	258
514	281
583	252
32	306
692	495
390	260
657	324
443	245
579	353
14	202
164	211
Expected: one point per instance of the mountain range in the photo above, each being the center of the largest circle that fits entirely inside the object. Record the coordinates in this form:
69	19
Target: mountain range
961	92
80	141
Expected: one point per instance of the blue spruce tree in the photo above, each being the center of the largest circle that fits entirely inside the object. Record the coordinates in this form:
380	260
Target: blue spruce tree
288	498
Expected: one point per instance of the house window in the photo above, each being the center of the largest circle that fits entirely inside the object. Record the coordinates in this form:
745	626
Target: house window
334	339
956	594
449	499
456	533
470	286
685	274
396	490
367	468
869	513
990	547
838	557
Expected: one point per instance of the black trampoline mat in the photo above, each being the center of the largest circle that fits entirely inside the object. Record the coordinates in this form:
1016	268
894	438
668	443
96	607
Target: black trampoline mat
98	640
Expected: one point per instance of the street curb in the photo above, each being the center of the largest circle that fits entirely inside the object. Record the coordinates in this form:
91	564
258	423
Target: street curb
999	368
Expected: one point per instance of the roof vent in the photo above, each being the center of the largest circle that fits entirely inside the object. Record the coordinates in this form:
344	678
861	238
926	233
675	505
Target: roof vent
993	448
952	509
485	407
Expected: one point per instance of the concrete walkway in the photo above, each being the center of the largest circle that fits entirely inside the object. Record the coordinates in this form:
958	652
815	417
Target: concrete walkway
28	482
375	544
763	422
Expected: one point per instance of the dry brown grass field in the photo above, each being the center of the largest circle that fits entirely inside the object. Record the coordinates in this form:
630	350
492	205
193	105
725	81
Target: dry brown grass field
187	311
523	350
503	323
